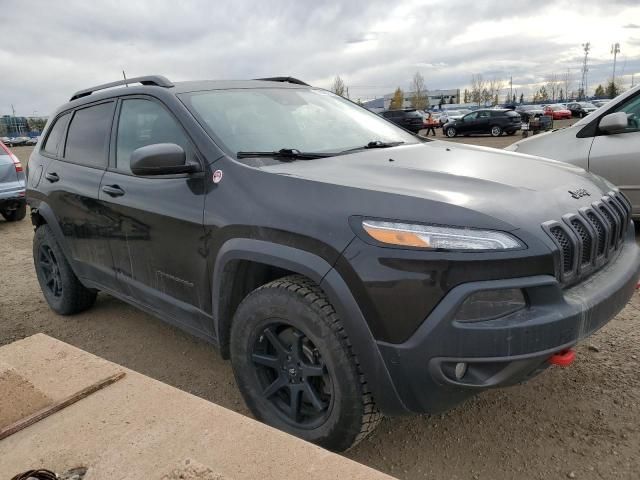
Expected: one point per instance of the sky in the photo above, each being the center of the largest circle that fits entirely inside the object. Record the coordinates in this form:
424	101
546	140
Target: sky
50	49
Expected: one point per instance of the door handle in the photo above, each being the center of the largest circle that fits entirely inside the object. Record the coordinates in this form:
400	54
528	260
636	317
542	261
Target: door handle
52	177
113	190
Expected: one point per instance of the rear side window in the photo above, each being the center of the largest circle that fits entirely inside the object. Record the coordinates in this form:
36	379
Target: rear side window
142	123
56	133
88	137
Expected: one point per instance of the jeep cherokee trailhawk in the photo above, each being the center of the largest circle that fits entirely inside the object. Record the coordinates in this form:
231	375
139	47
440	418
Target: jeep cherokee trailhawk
348	268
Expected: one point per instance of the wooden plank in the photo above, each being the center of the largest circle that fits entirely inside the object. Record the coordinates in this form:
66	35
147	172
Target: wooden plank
57	406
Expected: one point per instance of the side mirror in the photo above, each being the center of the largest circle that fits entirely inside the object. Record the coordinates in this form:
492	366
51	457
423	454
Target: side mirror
160	159
614	122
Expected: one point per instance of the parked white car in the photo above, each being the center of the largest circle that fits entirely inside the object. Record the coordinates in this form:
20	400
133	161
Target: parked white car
607	142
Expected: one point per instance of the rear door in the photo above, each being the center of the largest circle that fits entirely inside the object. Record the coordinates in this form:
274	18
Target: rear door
157	234
71	183
616	156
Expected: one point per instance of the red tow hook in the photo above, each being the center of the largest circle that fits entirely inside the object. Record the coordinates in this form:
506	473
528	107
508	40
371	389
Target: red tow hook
563	358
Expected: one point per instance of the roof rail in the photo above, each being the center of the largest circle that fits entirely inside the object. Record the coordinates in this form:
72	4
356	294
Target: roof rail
156	80
284	79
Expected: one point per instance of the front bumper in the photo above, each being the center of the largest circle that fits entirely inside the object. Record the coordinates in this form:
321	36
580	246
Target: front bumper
507	350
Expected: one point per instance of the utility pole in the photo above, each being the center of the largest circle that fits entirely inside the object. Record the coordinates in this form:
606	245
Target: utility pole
585	68
615	50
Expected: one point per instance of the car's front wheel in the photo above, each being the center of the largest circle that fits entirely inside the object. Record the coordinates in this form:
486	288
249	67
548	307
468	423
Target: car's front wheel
451	132
61	288
496	131
295	368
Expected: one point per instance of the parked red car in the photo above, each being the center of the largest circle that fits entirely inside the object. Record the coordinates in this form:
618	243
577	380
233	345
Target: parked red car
557	111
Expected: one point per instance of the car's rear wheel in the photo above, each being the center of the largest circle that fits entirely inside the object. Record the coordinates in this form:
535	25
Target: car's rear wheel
61	288
451	132
295	368
496	131
15	215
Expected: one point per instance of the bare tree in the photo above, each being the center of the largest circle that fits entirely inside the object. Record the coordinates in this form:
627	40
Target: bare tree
553	86
419	98
494	87
566	79
397	102
339	88
478	86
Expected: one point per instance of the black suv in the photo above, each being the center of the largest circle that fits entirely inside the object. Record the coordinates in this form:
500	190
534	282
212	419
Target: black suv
348	268
490	121
409	119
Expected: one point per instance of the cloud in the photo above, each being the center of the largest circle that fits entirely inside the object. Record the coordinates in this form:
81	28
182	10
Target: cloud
374	45
631	25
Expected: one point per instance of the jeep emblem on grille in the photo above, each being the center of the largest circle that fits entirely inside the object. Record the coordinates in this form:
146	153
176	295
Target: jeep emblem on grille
579	193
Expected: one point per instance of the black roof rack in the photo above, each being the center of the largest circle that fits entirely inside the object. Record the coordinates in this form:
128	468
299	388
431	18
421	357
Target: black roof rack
284	79
156	80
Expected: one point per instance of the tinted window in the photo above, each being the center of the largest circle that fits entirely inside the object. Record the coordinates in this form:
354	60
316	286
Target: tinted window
470	116
88	136
55	135
142	123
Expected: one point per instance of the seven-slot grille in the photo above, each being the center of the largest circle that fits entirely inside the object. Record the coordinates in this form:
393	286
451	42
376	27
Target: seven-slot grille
590	238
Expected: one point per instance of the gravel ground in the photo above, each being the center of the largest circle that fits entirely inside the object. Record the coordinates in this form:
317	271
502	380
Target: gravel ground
581	422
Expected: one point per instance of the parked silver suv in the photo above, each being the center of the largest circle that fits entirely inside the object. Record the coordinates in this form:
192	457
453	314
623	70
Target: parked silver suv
607	142
13	206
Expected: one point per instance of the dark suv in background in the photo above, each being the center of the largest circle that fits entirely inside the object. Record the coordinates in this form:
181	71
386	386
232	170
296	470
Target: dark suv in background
348	268
409	119
487	121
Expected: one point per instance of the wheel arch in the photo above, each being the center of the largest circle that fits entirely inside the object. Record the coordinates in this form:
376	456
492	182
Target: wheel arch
260	258
43	215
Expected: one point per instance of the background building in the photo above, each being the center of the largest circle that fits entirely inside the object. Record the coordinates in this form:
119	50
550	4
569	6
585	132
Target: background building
434	98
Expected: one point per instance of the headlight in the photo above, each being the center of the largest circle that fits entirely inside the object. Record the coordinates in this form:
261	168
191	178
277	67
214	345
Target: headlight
435	237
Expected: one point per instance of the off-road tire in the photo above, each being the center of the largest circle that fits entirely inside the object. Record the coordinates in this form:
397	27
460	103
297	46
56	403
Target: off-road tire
299	302
72	297
15	215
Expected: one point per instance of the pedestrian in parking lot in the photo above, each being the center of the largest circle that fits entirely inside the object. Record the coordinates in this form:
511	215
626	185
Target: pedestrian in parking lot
431	123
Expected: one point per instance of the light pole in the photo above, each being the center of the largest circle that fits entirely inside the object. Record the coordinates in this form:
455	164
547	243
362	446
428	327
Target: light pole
615	50
585	68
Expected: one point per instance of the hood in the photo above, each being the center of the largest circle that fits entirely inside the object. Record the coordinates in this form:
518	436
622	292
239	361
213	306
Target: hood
513	188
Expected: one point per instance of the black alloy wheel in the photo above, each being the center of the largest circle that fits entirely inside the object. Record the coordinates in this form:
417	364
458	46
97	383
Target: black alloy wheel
293	375
50	270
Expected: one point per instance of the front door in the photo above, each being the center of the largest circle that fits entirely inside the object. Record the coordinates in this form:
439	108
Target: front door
616	156
467	124
157	236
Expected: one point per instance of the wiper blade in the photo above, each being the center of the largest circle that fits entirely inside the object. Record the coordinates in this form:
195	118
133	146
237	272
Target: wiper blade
286	154
374	144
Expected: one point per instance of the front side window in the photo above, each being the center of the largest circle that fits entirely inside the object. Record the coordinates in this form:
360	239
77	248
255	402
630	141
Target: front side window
270	119
54	139
144	122
470	116
88	137
632	108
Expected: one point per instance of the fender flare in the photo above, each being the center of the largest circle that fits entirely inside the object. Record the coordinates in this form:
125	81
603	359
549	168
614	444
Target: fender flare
45	211
320	271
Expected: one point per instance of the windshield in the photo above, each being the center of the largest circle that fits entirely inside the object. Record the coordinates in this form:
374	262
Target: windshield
587	105
270	119
453	112
555	108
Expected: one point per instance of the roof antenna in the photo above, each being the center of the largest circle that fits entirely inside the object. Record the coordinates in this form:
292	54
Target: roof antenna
125	78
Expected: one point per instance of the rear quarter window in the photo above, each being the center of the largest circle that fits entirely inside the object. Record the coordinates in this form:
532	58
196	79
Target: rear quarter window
54	139
88	137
